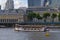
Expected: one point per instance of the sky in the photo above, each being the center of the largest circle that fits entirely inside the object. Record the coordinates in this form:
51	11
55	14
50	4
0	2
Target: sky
17	3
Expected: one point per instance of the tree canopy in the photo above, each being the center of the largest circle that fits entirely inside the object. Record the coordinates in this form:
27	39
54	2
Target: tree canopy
38	16
59	16
45	15
54	15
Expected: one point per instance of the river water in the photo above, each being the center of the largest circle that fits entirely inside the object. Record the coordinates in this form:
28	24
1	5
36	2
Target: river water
10	34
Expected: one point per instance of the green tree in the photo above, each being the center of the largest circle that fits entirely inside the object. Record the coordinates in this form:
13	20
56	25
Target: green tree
59	16
31	15
38	16
45	15
53	16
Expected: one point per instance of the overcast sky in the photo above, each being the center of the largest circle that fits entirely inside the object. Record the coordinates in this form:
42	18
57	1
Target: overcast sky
17	3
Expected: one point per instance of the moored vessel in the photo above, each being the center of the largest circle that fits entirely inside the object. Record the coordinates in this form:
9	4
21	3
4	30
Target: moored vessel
32	28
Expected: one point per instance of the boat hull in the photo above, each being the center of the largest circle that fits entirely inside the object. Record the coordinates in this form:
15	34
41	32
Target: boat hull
21	29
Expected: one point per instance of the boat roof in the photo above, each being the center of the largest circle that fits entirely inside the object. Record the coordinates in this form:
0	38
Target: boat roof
33	26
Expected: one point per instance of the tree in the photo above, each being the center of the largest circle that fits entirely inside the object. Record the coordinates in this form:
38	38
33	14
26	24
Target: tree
59	16
31	15
45	15
53	16
38	16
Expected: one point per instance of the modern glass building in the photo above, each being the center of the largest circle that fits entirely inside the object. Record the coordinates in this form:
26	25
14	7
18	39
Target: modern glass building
34	3
38	3
47	2
55	3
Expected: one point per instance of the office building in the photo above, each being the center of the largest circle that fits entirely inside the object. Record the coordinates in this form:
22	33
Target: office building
47	3
9	5
34	3
55	3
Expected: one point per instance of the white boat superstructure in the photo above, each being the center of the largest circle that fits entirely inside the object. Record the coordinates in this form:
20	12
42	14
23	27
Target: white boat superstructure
22	29
30	28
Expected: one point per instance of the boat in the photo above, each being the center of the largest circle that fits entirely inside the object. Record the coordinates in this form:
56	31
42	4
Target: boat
30	28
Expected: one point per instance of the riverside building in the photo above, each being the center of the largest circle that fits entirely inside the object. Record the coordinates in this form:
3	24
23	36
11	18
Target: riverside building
11	16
